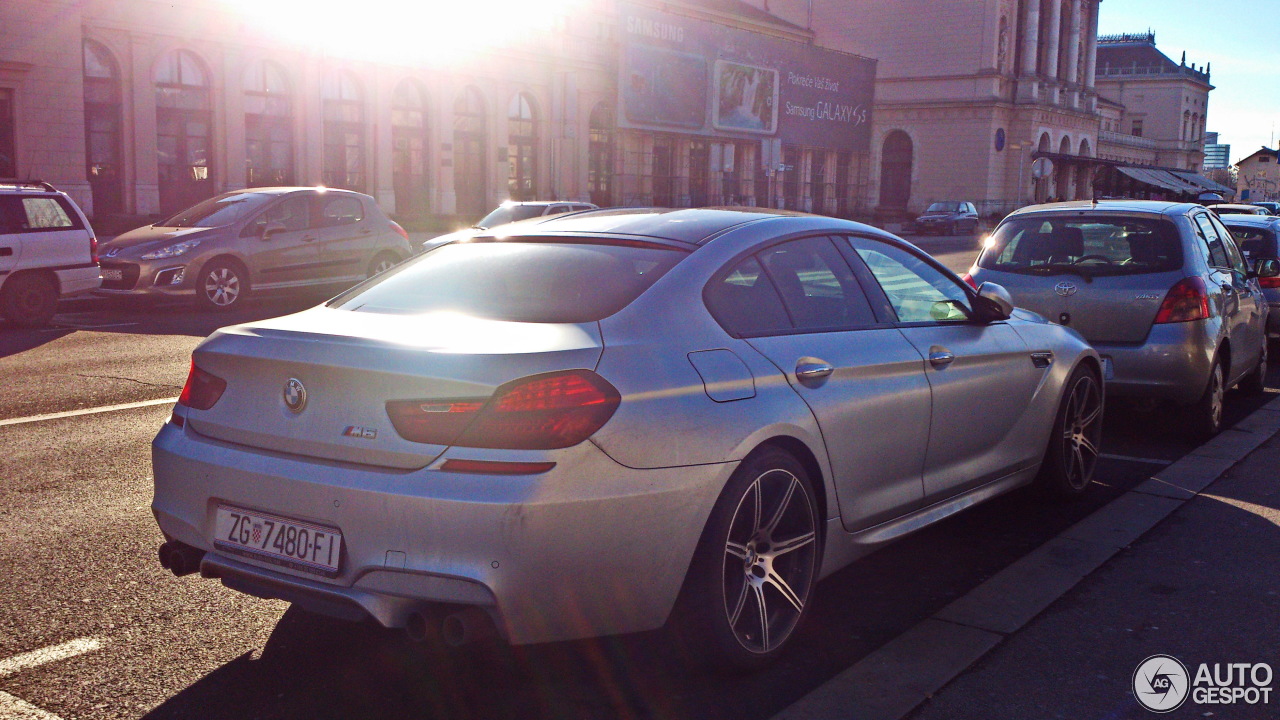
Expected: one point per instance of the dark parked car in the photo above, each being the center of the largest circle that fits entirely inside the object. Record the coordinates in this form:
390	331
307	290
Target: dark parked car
948	218
1256	235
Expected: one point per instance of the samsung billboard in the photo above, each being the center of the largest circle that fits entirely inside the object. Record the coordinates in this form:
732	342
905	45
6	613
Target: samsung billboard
680	74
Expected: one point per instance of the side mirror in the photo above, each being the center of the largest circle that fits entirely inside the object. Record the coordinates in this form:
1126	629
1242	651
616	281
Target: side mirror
1266	268
271	229
994	302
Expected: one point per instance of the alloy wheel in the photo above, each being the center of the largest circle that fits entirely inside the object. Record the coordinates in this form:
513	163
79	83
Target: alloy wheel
769	561
222	286
1081	431
1216	392
383	266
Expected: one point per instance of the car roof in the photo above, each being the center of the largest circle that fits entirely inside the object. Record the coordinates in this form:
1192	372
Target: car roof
284	190
692	226
544	203
1163	207
1249	219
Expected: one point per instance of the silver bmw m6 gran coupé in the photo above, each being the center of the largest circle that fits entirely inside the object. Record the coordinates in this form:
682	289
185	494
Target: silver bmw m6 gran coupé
611	421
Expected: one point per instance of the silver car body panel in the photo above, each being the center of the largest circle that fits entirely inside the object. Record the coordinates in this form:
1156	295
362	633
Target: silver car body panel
557	555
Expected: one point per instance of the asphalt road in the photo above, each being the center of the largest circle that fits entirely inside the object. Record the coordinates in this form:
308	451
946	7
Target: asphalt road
77	560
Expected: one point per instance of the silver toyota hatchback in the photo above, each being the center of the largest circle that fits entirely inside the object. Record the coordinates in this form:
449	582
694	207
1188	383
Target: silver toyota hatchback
1159	289
220	250
589	425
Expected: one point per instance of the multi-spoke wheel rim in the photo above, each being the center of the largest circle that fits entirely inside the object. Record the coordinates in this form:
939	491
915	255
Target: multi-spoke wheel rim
383	266
1215	396
222	286
769	561
1081	431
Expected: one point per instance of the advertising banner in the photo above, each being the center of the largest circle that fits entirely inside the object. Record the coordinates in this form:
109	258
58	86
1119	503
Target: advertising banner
680	74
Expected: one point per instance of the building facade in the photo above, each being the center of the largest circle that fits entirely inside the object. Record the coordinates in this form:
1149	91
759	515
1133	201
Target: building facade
1258	176
1217	155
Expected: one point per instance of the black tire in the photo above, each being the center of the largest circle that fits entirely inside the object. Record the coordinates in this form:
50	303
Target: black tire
1255	383
1072	454
381	263
222	285
1204	417
744	599
29	300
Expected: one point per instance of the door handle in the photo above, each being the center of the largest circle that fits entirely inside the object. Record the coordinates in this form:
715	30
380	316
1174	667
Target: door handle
6	251
813	369
366	231
308	238
940	357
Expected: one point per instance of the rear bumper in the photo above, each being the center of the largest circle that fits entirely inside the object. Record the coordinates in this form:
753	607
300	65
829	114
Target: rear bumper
1172	364
589	548
78	281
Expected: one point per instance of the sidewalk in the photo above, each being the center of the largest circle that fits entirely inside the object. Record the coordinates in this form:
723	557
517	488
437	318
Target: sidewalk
1203	587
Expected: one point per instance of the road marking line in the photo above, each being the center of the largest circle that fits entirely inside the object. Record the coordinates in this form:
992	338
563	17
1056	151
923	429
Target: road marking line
13	708
49	654
1131	458
73	326
87	411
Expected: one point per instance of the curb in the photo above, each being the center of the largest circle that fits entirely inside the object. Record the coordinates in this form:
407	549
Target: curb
891	682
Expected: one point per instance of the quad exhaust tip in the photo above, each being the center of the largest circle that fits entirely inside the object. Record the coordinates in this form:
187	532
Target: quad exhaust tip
456	629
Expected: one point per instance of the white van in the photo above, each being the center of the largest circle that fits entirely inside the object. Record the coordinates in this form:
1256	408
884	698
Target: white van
47	251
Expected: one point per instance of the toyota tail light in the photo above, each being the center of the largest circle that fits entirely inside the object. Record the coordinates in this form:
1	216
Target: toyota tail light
93	249
202	389
1187	300
540	412
1269	282
399	230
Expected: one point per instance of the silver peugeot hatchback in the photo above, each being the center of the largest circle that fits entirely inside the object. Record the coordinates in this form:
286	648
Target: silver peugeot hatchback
220	250
589	425
1159	289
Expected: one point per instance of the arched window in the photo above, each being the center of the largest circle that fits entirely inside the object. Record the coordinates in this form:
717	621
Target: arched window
102	129
470	150
184	130
268	125
344	142
895	170
409	148
600	155
522	130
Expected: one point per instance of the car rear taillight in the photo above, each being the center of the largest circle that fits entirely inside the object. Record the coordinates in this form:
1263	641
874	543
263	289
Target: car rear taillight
93	249
399	230
202	389
1187	300
541	412
969	279
1269	282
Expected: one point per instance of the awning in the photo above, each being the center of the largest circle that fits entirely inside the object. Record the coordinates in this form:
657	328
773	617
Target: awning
1204	182
1161	179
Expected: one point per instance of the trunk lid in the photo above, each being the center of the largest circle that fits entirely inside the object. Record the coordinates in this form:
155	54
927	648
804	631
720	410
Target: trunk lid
352	363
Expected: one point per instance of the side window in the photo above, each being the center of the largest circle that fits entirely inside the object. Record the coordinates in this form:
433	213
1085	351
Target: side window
557	209
44	213
816	284
9	212
745	303
917	291
1216	254
340	210
294	213
1233	250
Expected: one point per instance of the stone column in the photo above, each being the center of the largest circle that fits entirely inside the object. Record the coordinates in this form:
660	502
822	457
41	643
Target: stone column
233	137
383	185
146	200
1052	47
1027	84
1072	74
310	118
1091	46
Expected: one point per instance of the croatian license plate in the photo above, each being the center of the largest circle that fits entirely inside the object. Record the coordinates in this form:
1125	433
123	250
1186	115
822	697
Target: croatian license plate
1108	371
112	274
278	540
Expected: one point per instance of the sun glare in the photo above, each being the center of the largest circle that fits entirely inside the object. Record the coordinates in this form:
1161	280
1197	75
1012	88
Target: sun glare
401	31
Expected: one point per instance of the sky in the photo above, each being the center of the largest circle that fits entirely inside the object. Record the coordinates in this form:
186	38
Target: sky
1244	109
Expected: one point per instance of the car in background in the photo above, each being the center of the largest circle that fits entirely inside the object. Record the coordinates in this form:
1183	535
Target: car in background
47	251
1257	237
509	212
1238	209
1273	208
496	434
1160	289
948	218
222	249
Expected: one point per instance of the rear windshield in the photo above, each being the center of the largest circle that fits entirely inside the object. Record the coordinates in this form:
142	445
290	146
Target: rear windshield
1254	242
946	207
542	282
1083	245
